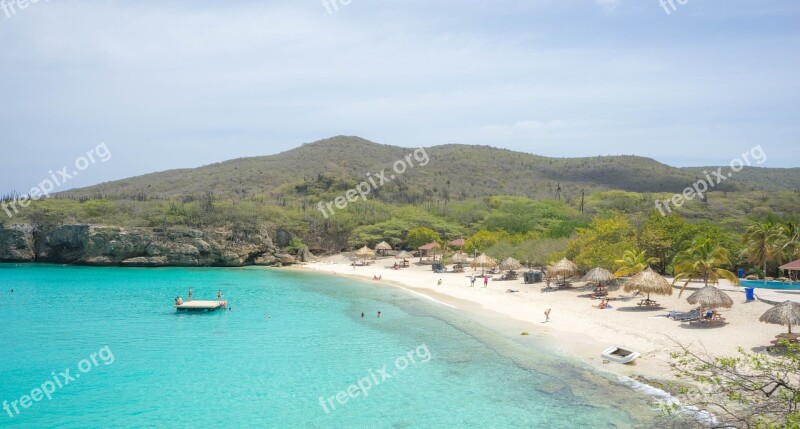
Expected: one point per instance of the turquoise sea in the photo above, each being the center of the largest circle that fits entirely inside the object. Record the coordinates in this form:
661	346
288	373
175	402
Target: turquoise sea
135	363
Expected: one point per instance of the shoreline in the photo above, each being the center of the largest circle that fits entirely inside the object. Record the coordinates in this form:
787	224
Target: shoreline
576	329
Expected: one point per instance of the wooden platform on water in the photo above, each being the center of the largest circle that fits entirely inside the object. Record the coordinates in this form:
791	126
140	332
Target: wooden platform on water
202	306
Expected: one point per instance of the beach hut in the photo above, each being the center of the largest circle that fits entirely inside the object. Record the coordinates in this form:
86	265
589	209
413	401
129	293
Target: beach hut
786	313
459	242
793	268
564	268
365	253
430	247
404	256
484	262
648	281
383	247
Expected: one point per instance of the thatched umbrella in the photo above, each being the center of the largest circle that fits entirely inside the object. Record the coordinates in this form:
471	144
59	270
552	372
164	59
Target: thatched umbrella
564	267
459	258
648	281
365	253
710	297
598	275
786	313
405	256
483	261
510	264
383	247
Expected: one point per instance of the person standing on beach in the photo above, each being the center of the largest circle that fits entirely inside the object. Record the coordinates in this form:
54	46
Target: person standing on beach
547	315
485	281
472	280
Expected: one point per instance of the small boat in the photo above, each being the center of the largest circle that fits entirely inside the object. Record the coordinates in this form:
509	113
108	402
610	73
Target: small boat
620	355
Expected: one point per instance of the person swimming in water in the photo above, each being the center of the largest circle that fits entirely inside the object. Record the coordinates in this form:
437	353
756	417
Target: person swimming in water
362	315
379	315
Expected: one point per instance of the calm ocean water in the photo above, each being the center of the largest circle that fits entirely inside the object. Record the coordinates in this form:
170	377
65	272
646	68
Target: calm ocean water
134	362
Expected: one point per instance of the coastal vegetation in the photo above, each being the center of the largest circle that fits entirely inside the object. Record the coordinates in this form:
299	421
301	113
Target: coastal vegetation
751	390
596	211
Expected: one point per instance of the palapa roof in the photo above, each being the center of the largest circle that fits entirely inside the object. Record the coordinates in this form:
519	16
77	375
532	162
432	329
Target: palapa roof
510	264
458	242
564	267
598	274
365	252
648	281
785	313
791	266
383	246
430	246
484	261
459	258
710	297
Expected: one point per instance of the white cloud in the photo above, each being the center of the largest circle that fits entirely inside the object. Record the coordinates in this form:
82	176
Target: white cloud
199	82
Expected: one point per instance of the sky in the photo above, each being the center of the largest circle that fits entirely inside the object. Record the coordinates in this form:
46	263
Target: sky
174	84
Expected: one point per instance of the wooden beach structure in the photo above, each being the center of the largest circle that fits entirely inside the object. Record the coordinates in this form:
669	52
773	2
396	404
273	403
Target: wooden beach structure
202	306
197	306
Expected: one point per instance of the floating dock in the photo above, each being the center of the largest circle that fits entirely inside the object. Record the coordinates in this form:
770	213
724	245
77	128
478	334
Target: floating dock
202	306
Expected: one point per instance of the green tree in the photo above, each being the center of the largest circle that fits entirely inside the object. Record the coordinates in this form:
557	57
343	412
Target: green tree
421	235
763	241
703	260
662	237
598	244
484	239
633	262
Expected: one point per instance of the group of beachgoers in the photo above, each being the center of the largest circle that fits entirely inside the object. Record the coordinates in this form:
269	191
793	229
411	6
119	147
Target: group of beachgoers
472	279
179	300
603	304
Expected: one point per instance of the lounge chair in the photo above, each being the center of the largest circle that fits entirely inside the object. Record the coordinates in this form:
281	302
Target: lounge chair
687	315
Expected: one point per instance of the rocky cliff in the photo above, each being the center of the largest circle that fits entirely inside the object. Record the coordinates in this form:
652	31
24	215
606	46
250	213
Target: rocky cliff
143	247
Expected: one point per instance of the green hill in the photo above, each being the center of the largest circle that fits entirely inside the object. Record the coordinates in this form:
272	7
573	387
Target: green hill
454	172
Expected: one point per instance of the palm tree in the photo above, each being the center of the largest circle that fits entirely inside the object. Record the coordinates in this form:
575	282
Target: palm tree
703	259
633	262
791	239
763	243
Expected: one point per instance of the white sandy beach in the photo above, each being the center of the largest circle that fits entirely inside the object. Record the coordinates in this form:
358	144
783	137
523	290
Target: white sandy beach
576	327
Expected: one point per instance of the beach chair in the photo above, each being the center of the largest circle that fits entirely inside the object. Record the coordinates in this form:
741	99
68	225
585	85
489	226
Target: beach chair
685	316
